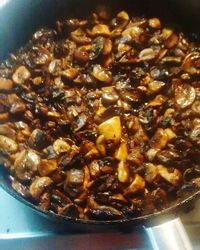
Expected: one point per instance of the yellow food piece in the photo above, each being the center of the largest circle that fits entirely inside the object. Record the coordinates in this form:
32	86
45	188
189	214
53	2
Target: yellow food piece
61	146
173	178
123	172
137	185
111	129
121	153
100	144
46	167
101	29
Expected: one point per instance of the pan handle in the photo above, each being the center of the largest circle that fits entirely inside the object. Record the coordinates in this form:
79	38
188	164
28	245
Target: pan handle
170	235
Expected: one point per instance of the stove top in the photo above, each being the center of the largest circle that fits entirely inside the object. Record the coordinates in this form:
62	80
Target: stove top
21	228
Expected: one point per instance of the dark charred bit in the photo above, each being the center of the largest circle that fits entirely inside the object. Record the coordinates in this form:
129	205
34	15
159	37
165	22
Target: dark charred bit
107	213
69	210
76	161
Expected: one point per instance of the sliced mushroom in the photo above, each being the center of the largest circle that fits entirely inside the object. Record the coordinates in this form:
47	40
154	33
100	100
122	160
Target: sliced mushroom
166	32
55	67
6	130
111	129
184	95
71	160
191	63
151	172
195	135
45	201
168	156
170	133
41	55
190	174
118	24
196	122
80	122
122	49
100	144
123	15
122	152
140	136
128	58
171	41
104	213
133	32
20	188
196	107
39	185
172	177
118	198
109	98
158	101
182	144
53	114
80	37
26	164
131	95
21	75
100	30
61	146
123	172
154	23
161	138
37	81
74	182
5	84
75	23
46	167
147	54
89	150
138	184
16	104
151	153
4	117
38	138
102	74
70	73
8	144
97	47
59	197
70	210
107	47
155	86
94	169
135	156
172	60
133	123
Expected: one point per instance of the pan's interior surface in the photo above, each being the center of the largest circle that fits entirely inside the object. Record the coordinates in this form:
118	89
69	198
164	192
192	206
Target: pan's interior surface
19	19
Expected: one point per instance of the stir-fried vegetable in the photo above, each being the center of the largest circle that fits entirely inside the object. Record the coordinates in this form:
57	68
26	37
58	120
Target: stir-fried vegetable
99	118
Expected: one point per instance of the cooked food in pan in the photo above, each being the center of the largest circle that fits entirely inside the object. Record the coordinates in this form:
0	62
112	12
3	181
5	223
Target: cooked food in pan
100	118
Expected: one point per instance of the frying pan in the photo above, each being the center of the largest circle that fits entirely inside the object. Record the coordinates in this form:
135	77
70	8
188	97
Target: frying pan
19	19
